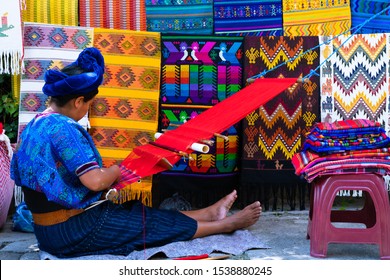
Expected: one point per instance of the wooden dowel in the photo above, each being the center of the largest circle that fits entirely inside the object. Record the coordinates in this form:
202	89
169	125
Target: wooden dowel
303	80
222	136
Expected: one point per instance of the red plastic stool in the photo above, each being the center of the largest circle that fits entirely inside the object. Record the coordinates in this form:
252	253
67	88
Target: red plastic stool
375	214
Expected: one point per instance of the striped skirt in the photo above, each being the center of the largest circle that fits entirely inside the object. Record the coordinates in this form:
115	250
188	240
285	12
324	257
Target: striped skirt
110	228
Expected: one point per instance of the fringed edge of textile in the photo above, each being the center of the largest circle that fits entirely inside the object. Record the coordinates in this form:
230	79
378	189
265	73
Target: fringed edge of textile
141	191
11	62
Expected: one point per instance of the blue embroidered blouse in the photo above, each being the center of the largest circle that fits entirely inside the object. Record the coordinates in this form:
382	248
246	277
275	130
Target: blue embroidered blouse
54	150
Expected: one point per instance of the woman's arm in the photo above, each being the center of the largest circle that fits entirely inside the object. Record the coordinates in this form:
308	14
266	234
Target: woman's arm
100	179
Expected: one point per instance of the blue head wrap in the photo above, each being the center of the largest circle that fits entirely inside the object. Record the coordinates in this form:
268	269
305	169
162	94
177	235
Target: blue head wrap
60	84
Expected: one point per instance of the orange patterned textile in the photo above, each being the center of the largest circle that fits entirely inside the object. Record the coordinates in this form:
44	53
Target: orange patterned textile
124	114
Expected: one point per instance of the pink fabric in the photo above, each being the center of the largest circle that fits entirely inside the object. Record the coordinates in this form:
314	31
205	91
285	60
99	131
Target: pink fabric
6	183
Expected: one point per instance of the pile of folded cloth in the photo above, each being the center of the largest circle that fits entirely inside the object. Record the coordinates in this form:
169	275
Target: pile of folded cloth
343	147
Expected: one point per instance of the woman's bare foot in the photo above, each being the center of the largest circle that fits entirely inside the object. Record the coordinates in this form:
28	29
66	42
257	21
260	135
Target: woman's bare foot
244	218
221	208
216	212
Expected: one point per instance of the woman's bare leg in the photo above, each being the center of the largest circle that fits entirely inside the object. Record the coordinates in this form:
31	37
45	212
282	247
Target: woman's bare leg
242	219
215	212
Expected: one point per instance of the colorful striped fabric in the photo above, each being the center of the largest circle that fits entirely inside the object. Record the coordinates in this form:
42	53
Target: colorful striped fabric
316	17
180	17
248	18
340	140
307	159
125	112
362	165
351	146
116	14
62	12
347	127
363	10
47	47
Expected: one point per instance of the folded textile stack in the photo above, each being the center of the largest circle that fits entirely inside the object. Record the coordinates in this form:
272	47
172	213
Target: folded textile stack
344	147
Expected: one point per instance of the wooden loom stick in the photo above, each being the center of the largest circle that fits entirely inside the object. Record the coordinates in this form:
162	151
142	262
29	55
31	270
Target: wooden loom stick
194	146
180	153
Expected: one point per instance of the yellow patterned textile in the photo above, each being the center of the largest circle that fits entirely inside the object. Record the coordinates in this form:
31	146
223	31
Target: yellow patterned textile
15	84
125	112
316	17
64	12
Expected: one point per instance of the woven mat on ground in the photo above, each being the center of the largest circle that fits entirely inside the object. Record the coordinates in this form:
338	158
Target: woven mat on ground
10	38
64	12
116	14
316	17
234	244
125	112
354	81
47	46
247	18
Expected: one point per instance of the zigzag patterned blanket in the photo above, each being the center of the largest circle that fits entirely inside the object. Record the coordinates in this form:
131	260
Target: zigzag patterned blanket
272	134
354	81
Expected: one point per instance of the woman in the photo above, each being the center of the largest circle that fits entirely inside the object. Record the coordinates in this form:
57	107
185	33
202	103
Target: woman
61	173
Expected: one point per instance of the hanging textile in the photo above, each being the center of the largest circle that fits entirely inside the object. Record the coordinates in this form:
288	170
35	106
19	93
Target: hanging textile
363	10
116	14
180	17
47	46
248	18
11	48
355	80
6	183
197	73
124	115
61	12
316	17
272	134
15	87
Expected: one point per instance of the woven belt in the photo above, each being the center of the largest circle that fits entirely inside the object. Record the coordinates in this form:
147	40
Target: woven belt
55	217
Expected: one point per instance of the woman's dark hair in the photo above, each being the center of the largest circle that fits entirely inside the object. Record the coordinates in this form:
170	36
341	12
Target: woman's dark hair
72	70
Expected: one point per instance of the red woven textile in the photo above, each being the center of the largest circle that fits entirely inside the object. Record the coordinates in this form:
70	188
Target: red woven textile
148	159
